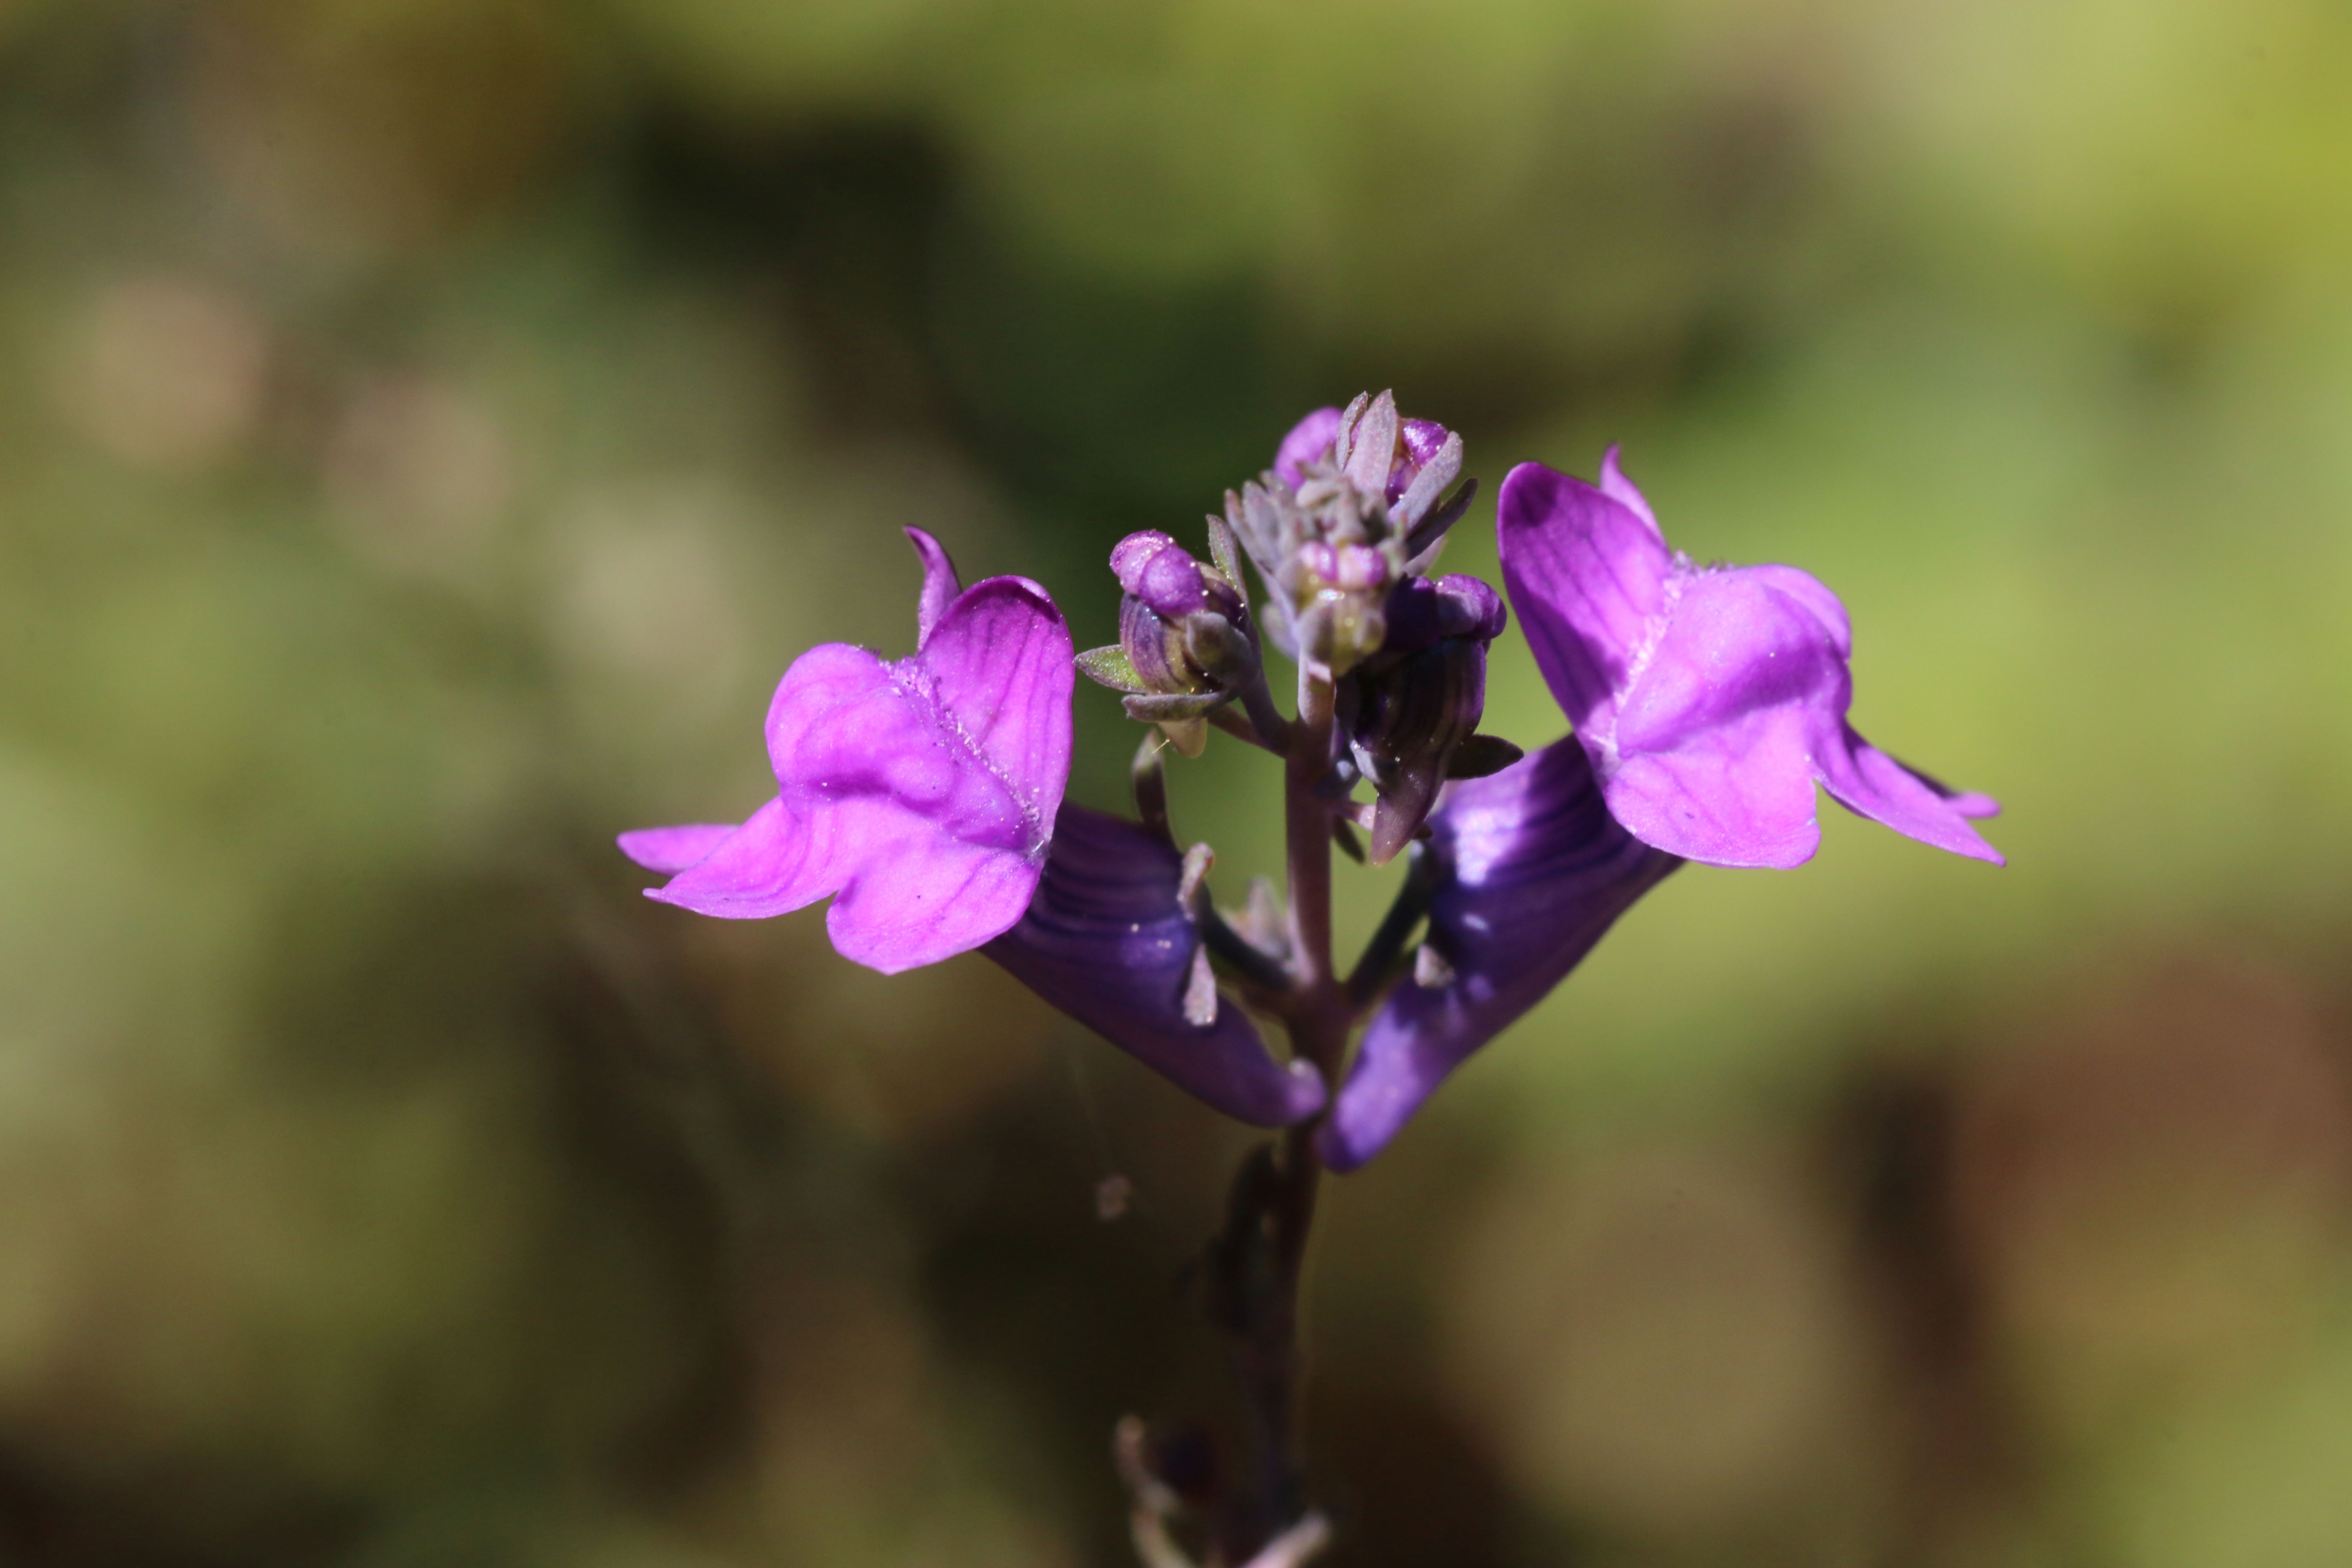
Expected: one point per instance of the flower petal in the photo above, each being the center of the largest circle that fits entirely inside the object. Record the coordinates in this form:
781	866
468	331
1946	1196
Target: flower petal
1625	492
940	584
1105	941
1590	578
1532	870
770	866
921	793
1869	782
670	850
1715	747
1709	702
1000	669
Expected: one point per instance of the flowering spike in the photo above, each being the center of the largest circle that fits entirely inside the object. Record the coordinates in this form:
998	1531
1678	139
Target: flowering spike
1710	701
1530	872
1107	940
919	794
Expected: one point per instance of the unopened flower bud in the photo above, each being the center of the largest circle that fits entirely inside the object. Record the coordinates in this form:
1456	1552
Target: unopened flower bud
1425	611
1184	648
1414	708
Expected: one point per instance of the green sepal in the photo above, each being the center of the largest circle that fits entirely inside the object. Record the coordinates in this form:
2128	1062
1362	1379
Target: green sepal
1110	667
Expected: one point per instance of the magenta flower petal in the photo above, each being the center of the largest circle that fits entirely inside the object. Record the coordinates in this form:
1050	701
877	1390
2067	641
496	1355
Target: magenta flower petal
1710	701
670	850
1532	870
919	794
1105	939
1308	439
770	865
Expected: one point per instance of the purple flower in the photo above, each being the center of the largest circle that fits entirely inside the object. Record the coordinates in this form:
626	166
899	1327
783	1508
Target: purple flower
1107	940
1530	870
921	794
1709	699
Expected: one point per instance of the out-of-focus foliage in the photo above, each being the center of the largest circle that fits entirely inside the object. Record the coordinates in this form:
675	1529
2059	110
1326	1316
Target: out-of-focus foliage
427	429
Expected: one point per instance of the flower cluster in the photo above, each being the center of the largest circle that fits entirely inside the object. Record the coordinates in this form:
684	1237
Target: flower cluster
924	795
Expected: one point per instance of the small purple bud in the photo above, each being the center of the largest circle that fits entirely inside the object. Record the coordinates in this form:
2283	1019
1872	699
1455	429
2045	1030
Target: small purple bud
1349	568
1309	441
1422	439
1161	572
1179	621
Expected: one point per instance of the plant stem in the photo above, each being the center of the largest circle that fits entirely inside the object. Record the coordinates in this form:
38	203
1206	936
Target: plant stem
1319	1014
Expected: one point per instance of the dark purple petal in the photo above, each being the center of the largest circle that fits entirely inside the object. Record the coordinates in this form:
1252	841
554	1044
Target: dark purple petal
1105	939
920	793
1424	611
1710	702
1309	440
940	584
1532	871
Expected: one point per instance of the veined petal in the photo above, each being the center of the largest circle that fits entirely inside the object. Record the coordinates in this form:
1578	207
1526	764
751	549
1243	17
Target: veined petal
1869	782
1105	939
1001	673
1710	702
1532	871
921	793
770	865
1591	581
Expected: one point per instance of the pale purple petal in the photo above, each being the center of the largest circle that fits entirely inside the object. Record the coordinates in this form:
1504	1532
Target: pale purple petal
1309	440
1532	870
1105	939
670	850
940	584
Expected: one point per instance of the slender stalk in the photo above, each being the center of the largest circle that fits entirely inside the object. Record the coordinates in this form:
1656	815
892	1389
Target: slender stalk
1318	1013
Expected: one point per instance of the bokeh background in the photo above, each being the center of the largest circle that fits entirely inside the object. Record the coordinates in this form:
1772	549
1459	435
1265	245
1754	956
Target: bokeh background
427	428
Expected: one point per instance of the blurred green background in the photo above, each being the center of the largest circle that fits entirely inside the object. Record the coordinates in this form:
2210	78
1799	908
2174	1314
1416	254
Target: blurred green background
427	428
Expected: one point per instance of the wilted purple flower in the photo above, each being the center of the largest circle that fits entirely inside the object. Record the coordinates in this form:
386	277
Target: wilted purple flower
1107	941
1710	700
922	793
1530	870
